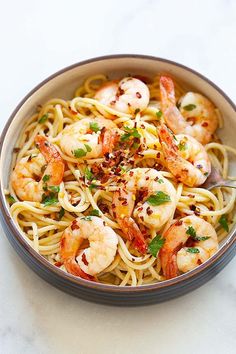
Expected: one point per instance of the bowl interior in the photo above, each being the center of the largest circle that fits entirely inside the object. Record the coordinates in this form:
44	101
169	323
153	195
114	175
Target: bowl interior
64	83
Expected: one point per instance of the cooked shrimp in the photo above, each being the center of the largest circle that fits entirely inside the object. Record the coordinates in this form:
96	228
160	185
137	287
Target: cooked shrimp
186	158
26	178
196	115
90	261
127	96
188	243
155	197
88	137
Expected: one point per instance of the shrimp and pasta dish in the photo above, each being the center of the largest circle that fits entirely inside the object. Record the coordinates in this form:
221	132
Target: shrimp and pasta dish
109	186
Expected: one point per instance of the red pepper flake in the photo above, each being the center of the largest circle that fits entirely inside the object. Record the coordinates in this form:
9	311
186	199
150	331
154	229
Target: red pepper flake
158	155
58	264
179	223
74	225
112	103
138	95
147	178
204	124
84	260
149	211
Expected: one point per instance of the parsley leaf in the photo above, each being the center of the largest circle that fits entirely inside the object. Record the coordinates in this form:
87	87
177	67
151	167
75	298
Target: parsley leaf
54	189
88	148
94	127
11	199
155	245
189	107
94	212
159	114
79	153
61	213
88	174
87	218
224	223
193	250
160	180
43	118
49	199
191	232
158	198
182	145
130	132
46	178
92	186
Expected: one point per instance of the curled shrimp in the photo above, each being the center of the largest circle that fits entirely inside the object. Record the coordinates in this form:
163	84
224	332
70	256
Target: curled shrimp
91	138
88	262
196	115
127	96
27	178
186	158
189	242
138	185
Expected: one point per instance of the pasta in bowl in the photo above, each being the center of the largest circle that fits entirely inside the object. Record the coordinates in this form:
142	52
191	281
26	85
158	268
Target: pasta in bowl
106	185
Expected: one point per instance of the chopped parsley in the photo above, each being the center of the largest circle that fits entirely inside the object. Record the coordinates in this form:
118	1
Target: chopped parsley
43	119
159	114
79	153
11	199
46	178
155	245
61	213
130	132
192	232
182	145
88	174
94	127
224	223
160	180
189	107
87	218
193	250
88	148
94	212
54	189
49	199
158	198
92	186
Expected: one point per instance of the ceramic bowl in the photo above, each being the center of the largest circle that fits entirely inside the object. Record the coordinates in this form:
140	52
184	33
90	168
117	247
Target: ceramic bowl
63	84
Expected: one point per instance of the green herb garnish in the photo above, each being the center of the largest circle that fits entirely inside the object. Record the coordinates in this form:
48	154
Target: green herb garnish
11	199
189	107
193	250
46	178
94	127
160	180
88	174
155	245
182	145
191	232
88	148
159	114
61	213
87	218
79	153
54	189
130	132
158	198
49	199
92	186
43	118
94	212
224	223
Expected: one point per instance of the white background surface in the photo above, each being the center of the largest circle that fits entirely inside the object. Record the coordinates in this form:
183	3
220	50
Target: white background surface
39	38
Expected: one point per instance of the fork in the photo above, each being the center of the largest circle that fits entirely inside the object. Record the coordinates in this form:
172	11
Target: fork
216	180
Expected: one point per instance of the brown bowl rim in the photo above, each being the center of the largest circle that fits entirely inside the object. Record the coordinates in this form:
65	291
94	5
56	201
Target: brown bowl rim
79	281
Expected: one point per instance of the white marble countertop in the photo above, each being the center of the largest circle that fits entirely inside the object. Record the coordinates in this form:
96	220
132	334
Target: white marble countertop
39	38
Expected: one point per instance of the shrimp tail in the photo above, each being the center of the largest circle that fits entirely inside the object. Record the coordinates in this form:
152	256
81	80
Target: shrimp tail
167	140
56	165
73	268
132	231
167	92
